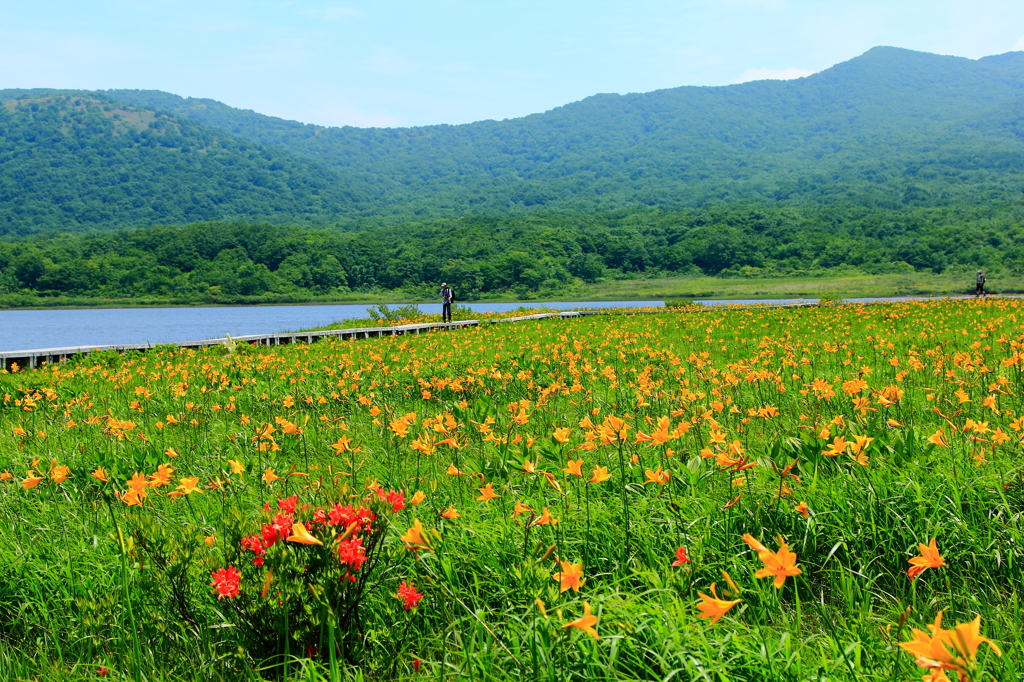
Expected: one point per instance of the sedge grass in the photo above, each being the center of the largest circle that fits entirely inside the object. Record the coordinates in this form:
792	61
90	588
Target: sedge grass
85	586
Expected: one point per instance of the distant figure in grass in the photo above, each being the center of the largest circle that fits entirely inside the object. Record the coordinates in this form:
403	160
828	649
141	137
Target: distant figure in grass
979	284
447	296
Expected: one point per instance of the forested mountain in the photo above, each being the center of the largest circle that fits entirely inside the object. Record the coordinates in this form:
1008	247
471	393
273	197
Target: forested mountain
69	162
889	129
891	126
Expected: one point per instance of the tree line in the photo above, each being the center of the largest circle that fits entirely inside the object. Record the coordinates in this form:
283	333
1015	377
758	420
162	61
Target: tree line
538	254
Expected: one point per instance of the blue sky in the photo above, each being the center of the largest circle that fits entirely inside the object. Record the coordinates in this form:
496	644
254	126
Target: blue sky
416	62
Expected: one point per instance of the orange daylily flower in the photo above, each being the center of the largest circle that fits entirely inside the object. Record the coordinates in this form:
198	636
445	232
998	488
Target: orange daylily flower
545	519
343	444
571	575
938	438
574	467
929	558
780	564
269	477
31	480
585	623
657	476
600	474
59	474
187	486
133	498
956	650
138	484
487	493
302	536
561	435
837	447
415	538
713	607
162	476
520	508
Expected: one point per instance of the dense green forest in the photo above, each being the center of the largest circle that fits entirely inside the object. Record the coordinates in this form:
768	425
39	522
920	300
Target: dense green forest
535	255
73	162
892	129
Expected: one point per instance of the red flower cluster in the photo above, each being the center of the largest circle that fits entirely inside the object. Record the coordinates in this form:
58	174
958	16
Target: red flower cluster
270	533
395	497
255	545
681	557
351	552
408	594
347	515
227	581
278	529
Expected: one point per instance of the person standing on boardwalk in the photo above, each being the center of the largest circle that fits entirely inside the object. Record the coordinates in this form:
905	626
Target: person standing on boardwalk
447	296
979	284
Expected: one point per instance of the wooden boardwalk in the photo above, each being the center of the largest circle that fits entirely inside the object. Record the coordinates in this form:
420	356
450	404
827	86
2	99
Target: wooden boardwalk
31	359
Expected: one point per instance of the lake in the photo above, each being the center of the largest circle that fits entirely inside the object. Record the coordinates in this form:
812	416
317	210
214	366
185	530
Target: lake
30	329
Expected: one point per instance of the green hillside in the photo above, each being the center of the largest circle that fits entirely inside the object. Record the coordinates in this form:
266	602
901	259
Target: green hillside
70	162
888	128
892	129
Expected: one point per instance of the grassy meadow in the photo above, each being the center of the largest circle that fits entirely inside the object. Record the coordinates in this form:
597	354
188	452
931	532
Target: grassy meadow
831	285
827	493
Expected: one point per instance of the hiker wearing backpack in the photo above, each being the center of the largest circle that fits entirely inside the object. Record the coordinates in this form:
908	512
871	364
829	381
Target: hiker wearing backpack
447	296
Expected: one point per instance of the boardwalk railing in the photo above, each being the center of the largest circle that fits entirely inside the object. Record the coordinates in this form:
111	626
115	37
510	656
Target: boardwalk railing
30	359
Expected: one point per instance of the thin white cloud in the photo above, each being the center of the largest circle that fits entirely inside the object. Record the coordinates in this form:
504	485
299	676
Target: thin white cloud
770	5
331	107
333	12
1019	45
762	74
388	61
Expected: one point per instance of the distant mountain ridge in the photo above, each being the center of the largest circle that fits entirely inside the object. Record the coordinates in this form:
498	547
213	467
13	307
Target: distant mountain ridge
890	128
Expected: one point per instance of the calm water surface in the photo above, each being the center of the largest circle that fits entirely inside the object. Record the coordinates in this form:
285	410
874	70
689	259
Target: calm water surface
30	329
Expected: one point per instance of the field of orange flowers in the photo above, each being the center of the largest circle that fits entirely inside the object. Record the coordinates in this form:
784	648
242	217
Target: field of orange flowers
830	493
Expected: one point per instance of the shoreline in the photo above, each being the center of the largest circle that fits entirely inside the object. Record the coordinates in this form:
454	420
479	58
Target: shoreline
524	302
639	290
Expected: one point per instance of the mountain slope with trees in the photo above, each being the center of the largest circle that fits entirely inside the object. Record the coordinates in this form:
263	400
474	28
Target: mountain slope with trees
72	162
891	129
887	128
